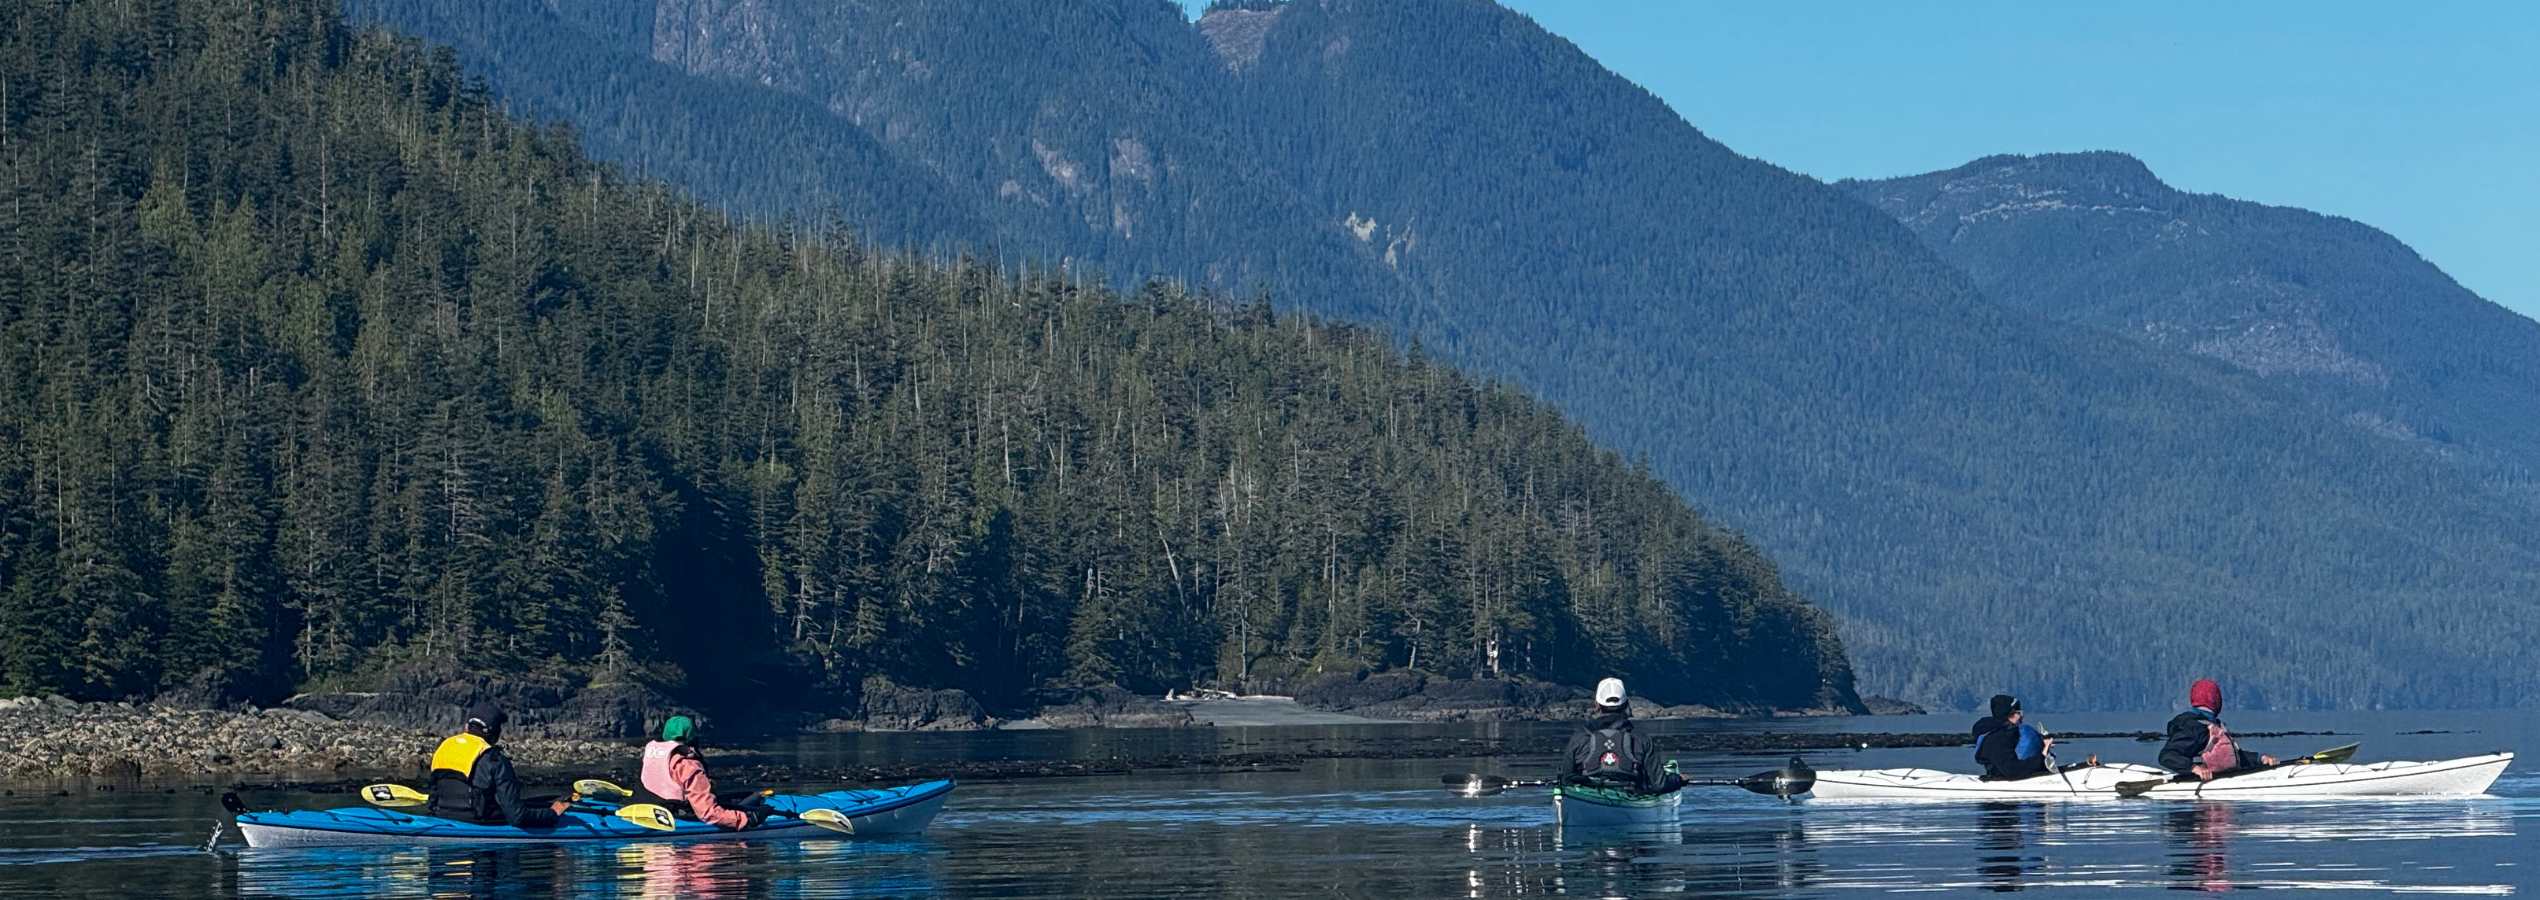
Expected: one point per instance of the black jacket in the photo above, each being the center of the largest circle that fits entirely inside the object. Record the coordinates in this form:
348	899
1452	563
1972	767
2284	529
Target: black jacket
2187	743
1649	773
490	795
1998	749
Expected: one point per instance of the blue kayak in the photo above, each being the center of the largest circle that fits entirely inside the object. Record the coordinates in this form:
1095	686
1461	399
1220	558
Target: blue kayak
903	810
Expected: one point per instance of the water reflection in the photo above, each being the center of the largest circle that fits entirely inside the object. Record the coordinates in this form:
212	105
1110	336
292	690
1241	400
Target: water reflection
2199	835
2002	834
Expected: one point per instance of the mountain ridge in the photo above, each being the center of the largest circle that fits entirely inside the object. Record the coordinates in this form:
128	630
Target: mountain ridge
1935	466
2351	315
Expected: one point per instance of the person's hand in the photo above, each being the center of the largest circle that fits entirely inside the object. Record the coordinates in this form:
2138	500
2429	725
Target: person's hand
2266	760
2201	773
2049	744
758	817
560	805
2092	762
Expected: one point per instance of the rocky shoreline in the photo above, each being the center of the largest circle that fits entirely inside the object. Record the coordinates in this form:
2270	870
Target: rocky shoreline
390	732
51	737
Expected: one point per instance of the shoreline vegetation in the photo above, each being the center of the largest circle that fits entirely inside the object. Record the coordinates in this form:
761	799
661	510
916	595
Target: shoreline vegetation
401	403
122	742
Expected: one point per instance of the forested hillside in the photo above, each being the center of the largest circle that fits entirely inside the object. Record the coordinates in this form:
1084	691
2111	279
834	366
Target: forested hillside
315	362
1944	473
2330	307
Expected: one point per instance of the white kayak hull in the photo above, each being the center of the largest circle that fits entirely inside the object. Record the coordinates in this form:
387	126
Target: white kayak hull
1574	807
2467	776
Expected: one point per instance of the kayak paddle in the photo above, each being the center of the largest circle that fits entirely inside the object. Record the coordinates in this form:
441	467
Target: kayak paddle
1785	782
830	819
2337	754
605	790
393	796
1472	784
398	796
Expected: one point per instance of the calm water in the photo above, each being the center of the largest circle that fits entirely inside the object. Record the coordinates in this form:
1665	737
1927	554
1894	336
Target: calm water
1381	828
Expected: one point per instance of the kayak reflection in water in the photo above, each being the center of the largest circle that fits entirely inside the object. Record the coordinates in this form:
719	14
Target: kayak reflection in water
2009	748
2199	745
1606	752
675	776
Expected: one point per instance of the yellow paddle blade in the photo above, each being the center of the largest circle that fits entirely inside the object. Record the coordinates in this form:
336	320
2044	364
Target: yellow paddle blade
393	796
830	819
605	790
647	815
2336	754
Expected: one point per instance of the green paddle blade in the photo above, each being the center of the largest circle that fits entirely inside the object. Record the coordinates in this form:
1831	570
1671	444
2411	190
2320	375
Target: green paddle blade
648	815
2337	754
393	796
830	819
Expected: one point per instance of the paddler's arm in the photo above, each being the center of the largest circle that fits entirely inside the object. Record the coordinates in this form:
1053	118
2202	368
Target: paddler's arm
496	769
1570	756
2186	743
690	772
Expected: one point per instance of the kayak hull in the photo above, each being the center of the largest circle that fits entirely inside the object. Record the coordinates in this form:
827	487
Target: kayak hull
1587	807
2467	776
897	811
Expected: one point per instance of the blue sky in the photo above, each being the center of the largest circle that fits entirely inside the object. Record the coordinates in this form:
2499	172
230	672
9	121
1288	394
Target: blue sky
2419	118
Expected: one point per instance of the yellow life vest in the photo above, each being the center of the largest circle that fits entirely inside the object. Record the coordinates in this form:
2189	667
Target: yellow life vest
458	753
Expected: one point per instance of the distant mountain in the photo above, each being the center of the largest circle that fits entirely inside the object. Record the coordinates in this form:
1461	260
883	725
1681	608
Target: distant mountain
1988	498
2337	310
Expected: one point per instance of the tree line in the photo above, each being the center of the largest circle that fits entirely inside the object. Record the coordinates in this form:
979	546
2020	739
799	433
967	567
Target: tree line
316	362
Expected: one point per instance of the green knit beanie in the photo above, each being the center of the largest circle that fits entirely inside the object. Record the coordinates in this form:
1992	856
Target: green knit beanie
678	728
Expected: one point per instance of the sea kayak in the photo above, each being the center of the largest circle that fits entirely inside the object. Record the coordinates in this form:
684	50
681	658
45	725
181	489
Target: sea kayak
2466	776
904	810
1575	806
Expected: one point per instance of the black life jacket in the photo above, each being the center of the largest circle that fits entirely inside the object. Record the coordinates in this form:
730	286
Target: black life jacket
453	788
1613	755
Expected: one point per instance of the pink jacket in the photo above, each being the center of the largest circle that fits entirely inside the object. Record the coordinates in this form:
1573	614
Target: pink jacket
674	775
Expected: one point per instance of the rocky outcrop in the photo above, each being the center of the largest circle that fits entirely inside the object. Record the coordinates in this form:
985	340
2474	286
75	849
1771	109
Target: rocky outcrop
51	737
889	706
1109	706
1890	706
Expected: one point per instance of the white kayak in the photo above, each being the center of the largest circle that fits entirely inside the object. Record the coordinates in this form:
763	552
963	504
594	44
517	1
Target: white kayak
2463	777
1575	806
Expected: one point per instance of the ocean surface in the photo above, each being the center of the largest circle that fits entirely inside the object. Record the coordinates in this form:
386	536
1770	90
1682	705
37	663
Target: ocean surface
1384	828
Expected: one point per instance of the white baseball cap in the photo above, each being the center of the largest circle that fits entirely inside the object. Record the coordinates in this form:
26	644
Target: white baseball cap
1609	692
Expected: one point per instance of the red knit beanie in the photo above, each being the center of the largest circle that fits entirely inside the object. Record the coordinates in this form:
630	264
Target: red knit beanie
2205	693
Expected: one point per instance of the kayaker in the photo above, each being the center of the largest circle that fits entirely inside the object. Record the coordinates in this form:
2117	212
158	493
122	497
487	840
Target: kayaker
1606	752
2199	745
2009	748
675	775
472	779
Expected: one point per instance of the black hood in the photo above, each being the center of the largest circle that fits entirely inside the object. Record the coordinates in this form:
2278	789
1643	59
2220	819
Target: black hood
1618	717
